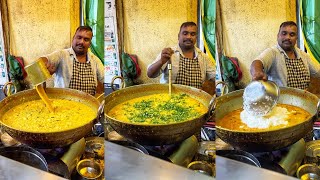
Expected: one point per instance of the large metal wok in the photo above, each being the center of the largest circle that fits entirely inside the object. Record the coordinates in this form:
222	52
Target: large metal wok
267	140
155	134
54	139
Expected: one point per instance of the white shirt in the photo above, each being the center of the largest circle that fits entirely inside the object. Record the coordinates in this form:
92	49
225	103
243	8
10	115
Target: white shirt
273	60
206	66
63	61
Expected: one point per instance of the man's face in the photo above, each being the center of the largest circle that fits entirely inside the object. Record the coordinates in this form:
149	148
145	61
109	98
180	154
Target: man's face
188	37
81	42
287	37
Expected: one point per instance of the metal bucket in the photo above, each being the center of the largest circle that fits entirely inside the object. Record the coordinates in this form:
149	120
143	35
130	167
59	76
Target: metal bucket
37	72
25	155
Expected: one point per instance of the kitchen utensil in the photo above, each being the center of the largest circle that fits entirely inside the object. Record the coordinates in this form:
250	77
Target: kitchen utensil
94	147
89	169
202	167
156	134
8	87
308	172
37	72
266	140
291	161
25	155
260	97
170	81
74	153
170	70
207	151
184	154
48	140
312	153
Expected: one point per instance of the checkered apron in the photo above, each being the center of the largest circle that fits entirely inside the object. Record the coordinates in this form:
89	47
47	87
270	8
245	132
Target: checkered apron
189	72
82	78
298	76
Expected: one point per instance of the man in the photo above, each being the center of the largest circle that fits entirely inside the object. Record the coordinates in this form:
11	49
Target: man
190	66
284	63
74	67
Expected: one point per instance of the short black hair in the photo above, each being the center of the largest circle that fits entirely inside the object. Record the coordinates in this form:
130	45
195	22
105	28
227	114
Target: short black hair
81	28
287	23
186	24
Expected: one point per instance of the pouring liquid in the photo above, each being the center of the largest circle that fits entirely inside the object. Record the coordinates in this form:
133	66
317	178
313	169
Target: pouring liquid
44	97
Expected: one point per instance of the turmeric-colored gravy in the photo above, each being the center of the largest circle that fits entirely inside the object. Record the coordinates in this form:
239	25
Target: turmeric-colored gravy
34	116
294	115
158	109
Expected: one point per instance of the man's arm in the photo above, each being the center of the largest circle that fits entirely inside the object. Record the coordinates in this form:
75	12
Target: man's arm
50	66
154	68
256	71
209	86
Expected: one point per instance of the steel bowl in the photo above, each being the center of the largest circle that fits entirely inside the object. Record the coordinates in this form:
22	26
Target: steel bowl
202	167
89	169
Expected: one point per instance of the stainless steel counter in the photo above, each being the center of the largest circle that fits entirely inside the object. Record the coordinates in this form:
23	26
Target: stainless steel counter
13	170
230	169
122	163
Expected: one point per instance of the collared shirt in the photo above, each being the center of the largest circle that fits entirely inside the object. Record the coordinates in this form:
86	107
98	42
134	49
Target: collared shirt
63	61
206	66
273	60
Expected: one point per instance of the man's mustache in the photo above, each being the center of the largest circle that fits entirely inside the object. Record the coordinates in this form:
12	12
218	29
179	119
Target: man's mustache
188	41
287	41
80	45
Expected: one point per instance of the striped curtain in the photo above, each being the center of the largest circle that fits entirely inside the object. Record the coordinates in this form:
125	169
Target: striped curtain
93	16
208	19
310	22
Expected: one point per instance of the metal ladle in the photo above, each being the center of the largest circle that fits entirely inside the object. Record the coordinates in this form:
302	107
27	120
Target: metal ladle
260	97
170	71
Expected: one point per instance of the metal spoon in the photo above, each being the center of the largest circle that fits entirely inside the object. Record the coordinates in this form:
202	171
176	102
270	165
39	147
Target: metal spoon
260	97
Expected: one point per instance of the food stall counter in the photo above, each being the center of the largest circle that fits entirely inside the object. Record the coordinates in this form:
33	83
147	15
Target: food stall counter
10	169
124	163
231	169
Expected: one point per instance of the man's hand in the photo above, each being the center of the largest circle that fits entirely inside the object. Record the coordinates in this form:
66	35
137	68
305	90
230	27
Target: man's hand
259	76
209	86
51	68
166	55
256	71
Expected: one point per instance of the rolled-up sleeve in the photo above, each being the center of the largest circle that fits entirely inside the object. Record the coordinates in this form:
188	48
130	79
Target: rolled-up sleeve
161	69
55	57
266	57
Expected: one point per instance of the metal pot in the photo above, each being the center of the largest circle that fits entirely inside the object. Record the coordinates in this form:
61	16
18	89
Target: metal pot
25	155
156	134
239	155
267	140
54	139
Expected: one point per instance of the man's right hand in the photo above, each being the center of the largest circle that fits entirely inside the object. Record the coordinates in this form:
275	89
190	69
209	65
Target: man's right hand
51	68
166	55
259	76
256	71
